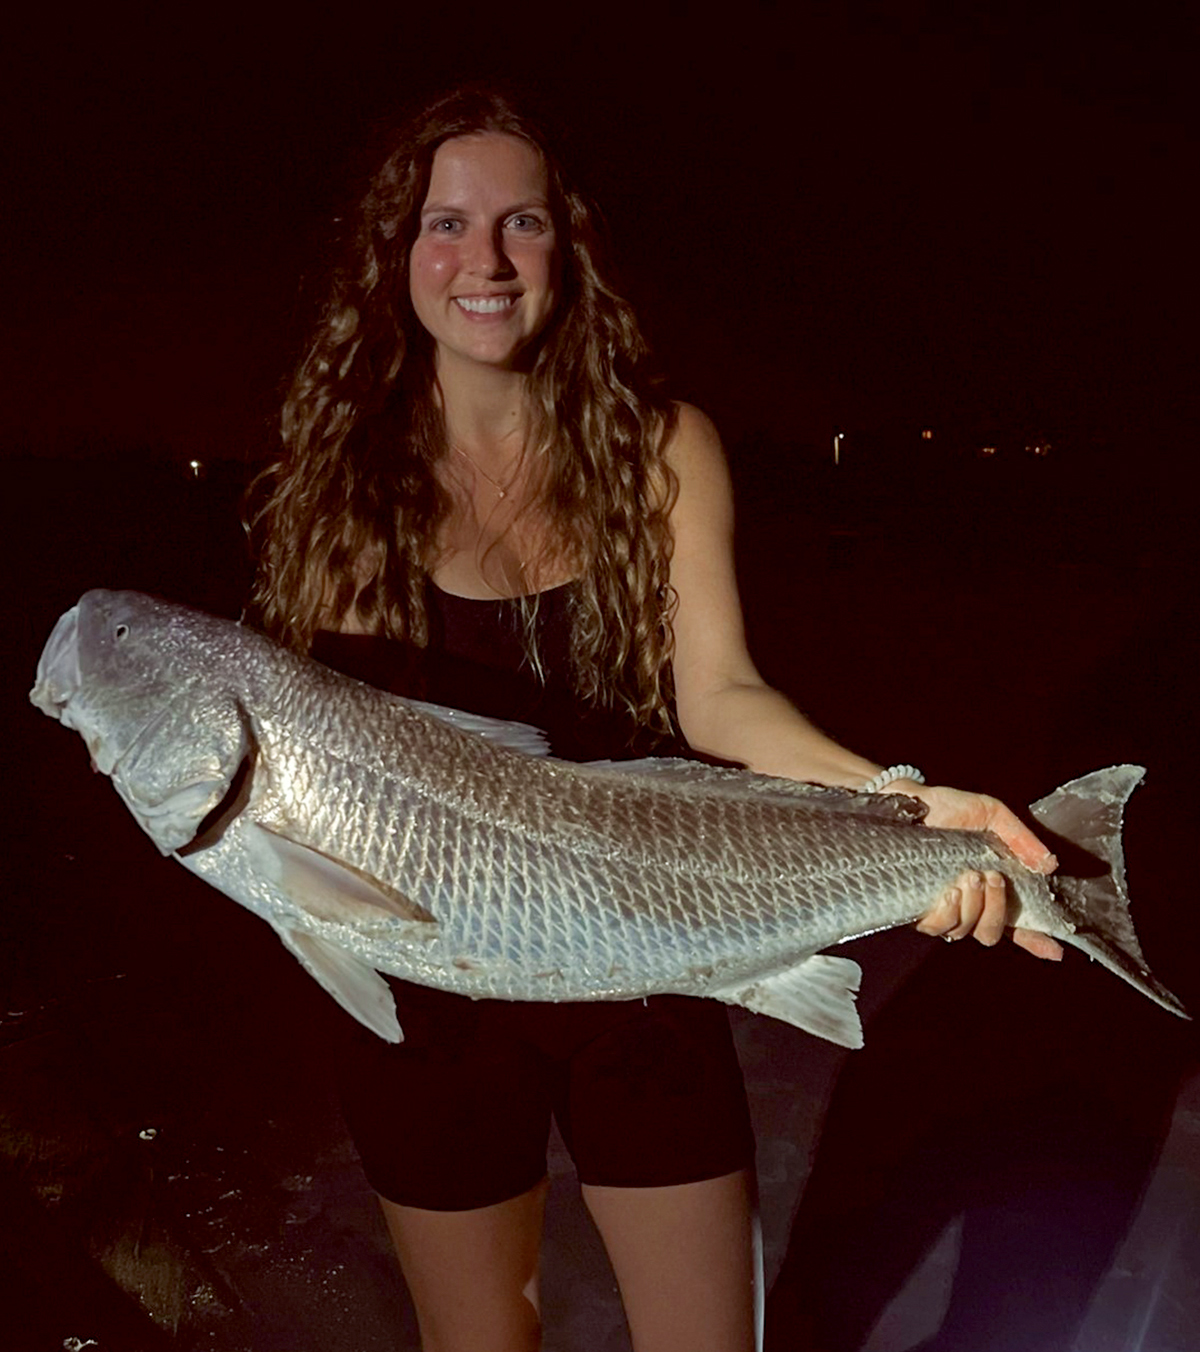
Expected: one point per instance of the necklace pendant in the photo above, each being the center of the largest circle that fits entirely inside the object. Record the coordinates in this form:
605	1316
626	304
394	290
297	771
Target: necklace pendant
501	489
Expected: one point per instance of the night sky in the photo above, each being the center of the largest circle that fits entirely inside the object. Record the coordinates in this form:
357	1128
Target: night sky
909	217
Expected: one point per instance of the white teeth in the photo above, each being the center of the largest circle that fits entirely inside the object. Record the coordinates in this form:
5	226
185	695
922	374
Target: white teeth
485	305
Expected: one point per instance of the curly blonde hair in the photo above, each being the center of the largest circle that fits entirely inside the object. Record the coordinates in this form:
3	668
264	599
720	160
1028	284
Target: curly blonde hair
350	508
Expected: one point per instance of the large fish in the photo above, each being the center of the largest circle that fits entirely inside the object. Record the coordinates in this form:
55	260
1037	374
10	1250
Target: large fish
376	834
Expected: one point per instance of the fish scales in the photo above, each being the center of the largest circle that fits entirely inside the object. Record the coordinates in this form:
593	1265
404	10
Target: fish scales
380	835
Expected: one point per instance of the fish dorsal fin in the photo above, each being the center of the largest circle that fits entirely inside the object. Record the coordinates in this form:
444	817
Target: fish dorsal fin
671	770
817	995
359	989
329	889
516	736
726	782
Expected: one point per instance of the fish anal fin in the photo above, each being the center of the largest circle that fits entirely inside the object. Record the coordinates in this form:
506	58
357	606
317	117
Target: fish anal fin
359	989
330	889
817	995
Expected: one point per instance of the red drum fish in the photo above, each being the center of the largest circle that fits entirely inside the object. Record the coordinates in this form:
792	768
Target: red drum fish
377	834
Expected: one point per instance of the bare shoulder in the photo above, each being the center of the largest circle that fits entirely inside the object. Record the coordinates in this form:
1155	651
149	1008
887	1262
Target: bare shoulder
695	453
693	436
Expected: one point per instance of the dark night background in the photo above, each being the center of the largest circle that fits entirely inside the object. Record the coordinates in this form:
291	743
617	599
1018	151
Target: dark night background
922	215
974	219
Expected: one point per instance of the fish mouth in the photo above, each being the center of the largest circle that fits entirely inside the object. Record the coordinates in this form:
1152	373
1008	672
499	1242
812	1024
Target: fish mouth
59	692
59	682
58	674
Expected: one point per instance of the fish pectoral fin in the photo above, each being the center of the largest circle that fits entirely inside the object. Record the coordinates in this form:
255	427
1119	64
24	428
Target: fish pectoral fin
359	989
329	889
818	996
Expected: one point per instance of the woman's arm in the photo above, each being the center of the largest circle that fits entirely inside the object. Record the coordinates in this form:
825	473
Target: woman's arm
726	709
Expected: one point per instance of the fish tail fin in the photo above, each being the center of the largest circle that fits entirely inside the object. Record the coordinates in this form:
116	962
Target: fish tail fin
1084	819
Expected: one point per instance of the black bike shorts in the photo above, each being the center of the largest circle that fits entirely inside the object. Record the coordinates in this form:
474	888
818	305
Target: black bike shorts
646	1093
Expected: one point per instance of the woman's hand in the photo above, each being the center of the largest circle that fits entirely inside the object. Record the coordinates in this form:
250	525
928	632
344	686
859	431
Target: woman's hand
977	904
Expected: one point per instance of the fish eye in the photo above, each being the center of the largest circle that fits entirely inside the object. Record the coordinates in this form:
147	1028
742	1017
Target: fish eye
121	632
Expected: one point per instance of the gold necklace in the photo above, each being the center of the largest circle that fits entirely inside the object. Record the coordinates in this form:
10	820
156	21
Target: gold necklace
501	489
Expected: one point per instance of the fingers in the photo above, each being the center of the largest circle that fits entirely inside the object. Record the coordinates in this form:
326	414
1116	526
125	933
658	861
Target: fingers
1040	945
944	915
989	929
956	810
977	904
978	891
1020	840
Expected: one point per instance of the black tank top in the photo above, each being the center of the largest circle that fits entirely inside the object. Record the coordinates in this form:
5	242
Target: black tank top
476	660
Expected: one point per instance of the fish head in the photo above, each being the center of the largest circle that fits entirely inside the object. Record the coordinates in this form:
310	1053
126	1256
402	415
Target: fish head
139	681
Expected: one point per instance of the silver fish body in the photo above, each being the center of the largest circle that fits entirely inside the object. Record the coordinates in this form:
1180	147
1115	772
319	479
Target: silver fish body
376	834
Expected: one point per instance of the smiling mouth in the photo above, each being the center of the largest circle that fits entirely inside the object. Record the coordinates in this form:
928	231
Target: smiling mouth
485	305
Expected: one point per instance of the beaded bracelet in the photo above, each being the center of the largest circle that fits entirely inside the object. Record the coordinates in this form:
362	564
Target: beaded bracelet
885	777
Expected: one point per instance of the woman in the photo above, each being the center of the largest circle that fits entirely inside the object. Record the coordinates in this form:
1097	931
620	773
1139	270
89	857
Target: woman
483	500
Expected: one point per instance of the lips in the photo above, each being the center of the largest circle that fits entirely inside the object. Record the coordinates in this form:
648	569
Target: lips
486	305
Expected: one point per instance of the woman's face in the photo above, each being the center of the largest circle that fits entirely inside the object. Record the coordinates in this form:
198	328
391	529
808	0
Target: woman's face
484	271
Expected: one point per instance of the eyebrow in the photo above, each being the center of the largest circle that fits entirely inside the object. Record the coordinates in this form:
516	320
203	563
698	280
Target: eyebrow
434	208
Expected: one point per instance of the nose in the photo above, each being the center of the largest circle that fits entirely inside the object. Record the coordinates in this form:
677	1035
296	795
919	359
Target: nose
487	256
